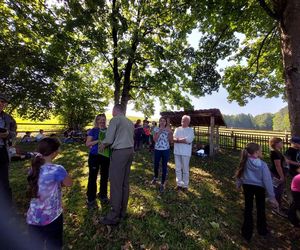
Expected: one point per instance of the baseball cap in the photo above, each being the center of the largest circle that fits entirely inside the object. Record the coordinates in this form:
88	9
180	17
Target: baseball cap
4	97
295	139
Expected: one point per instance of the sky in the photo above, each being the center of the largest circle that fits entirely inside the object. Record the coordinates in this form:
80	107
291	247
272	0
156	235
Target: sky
256	106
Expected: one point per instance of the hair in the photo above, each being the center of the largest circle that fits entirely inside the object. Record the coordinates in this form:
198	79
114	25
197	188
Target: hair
273	141
186	116
250	149
99	115
46	147
41	130
138	121
154	123
162	117
119	108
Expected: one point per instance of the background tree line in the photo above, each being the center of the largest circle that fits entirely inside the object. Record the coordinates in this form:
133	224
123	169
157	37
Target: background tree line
267	121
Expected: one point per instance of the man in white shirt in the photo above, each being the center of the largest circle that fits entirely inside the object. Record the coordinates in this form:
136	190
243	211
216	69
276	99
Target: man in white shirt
183	138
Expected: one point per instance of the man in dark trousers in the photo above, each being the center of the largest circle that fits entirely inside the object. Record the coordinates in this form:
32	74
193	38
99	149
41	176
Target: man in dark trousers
8	129
119	137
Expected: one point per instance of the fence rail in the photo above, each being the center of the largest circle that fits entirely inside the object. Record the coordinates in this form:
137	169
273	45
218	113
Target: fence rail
228	138
237	139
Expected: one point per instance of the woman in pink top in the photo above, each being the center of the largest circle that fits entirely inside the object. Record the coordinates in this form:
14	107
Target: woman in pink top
294	211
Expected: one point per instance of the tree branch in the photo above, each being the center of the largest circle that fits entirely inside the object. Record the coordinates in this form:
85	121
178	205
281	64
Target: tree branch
260	50
266	8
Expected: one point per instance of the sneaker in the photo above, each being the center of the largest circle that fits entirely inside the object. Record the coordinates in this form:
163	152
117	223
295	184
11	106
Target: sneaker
178	188
161	188
280	213
91	204
104	200
154	181
184	189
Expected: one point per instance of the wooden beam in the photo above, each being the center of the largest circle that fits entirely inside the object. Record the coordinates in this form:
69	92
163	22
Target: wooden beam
211	136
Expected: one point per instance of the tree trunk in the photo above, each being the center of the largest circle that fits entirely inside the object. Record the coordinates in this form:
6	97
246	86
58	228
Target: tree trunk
290	48
117	78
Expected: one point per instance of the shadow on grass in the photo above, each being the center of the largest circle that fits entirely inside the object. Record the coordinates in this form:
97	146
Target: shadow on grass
209	216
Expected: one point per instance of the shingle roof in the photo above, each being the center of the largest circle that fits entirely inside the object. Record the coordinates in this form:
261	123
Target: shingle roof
198	117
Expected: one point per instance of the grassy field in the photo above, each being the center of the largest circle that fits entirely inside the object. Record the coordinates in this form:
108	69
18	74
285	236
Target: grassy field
209	216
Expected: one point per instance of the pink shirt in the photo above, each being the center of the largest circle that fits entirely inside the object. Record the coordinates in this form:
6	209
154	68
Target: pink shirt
295	186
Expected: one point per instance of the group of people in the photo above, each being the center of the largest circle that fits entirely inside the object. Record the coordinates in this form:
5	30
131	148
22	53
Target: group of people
111	150
27	138
257	178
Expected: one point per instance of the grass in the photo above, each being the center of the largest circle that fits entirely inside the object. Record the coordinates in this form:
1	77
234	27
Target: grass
209	216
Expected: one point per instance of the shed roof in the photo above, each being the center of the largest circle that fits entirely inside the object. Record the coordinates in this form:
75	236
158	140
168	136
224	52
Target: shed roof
198	117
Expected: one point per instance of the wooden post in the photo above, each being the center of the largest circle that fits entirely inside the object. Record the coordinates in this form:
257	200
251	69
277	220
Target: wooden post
217	138
211	136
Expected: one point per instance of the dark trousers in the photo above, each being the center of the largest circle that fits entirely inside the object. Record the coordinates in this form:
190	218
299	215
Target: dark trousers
294	207
251	191
137	142
5	190
164	155
50	235
119	171
97	162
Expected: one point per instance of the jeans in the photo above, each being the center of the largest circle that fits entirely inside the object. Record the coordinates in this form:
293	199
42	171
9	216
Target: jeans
51	235
251	191
97	162
5	190
164	155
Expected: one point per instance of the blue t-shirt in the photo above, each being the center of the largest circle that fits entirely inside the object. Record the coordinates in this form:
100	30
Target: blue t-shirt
94	133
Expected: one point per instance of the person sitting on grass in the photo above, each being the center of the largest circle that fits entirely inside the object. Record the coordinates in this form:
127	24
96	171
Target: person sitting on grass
40	135
45	179
254	175
27	137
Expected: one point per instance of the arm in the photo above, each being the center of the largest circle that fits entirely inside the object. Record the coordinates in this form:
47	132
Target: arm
279	169
89	141
67	182
288	161
267	180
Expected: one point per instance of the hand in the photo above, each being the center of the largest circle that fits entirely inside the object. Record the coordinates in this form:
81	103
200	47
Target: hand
281	179
101	147
4	135
274	203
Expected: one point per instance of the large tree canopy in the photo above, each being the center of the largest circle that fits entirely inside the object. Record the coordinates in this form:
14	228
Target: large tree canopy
267	61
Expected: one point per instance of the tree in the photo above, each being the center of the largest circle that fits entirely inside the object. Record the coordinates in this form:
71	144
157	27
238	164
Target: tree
143	49
28	64
267	61
263	121
79	97
281	120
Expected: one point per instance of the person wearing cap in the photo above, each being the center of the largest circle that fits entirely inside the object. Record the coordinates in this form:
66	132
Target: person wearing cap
8	128
292	156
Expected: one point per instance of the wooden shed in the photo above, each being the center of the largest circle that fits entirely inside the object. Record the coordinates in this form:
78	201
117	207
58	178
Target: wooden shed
212	118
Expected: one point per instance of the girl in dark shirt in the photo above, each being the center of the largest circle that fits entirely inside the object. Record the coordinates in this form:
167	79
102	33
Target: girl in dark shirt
277	170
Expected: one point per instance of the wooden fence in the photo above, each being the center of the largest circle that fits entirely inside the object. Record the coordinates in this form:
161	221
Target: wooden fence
227	138
237	139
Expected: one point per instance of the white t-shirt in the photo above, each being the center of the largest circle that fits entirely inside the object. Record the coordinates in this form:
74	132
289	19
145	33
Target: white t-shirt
184	148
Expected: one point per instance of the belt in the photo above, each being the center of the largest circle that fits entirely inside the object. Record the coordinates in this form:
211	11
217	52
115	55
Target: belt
115	149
